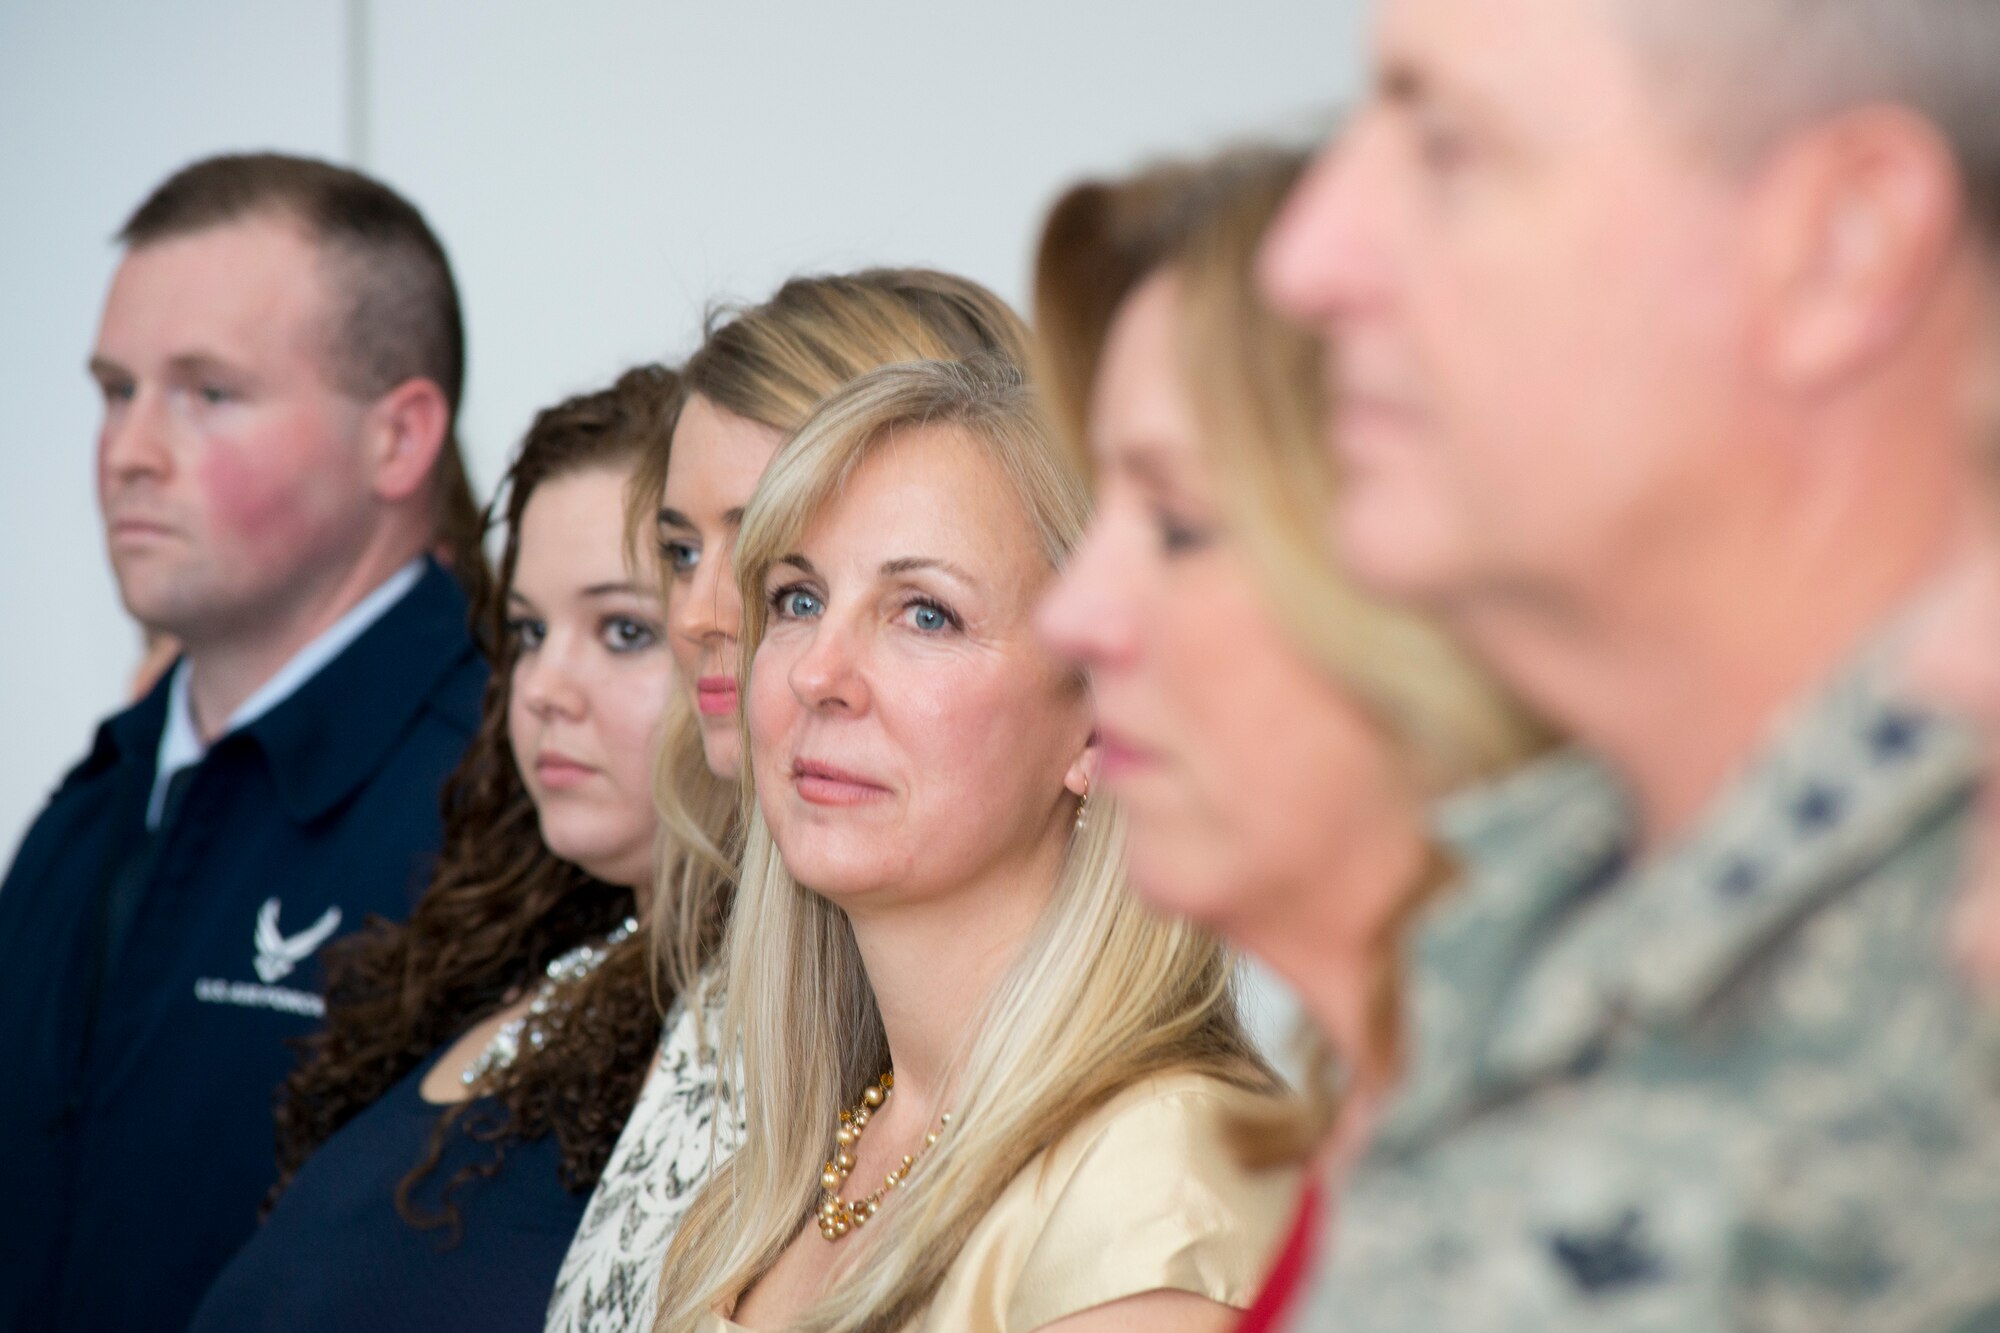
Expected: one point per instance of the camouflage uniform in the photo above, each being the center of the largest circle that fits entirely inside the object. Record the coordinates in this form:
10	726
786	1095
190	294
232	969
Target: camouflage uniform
1736	1086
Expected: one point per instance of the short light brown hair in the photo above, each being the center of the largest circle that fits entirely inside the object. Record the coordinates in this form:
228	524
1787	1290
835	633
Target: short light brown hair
397	308
1749	71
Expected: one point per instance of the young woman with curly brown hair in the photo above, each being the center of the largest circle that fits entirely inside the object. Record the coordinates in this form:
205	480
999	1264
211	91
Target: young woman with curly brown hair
438	1139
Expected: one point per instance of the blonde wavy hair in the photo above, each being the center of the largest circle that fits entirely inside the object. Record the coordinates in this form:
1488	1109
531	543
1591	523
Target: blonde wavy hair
1104	993
1258	390
773	363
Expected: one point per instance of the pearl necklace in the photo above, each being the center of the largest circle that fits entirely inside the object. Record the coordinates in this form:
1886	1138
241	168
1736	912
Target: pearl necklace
838	1216
564	970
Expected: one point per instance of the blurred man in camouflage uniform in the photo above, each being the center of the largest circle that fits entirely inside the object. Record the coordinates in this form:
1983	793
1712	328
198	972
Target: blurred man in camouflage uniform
1659	324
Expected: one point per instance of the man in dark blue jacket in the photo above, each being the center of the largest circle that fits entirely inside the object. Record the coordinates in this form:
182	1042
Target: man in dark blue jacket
280	358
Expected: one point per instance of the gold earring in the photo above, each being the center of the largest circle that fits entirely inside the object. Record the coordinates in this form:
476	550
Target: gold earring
1083	812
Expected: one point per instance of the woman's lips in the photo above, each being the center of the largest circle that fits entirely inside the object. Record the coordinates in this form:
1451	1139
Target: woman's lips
715	696
559	772
823	784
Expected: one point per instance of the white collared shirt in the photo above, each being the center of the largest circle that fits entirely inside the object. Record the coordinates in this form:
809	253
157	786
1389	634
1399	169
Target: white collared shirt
181	745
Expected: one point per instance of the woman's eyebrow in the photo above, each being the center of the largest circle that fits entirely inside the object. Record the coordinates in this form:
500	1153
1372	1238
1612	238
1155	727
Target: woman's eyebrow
911	563
674	518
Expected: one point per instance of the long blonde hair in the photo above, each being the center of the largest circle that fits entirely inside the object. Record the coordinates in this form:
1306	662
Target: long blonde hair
1104	993
772	363
1258	391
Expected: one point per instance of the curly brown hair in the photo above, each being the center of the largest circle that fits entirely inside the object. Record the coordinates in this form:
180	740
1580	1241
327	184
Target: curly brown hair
499	908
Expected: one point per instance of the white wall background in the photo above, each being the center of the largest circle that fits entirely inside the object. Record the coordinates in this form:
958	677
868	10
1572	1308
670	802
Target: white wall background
599	171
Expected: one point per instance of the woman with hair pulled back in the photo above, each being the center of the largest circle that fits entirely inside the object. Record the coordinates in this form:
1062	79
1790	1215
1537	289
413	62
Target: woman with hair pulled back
1275	735
985	1089
760	371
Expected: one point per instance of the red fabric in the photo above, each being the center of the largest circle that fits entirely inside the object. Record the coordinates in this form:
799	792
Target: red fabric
1286	1281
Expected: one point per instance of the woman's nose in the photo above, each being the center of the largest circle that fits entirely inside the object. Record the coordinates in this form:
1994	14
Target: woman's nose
828	675
705	609
548	685
1083	618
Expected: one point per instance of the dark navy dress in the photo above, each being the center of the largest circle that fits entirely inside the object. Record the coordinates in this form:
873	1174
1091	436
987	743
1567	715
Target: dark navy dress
336	1256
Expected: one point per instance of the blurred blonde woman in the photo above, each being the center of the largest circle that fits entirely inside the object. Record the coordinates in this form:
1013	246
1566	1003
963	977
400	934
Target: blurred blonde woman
759	372
985	1088
1274	736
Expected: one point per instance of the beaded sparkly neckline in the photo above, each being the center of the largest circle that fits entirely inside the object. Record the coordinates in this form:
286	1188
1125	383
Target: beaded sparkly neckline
563	971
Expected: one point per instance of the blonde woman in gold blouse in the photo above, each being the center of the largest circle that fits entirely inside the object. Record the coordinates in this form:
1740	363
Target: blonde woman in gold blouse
758	374
985	1089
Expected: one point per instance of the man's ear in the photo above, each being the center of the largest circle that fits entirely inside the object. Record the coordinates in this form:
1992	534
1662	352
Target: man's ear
405	431
1082	772
1860	217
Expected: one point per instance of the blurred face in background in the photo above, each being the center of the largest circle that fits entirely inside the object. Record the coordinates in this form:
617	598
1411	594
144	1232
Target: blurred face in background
1531	275
591	676
1244	770
230	472
1956	663
716	460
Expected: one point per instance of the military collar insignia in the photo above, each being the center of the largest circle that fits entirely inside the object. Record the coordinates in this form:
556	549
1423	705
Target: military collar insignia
1847	781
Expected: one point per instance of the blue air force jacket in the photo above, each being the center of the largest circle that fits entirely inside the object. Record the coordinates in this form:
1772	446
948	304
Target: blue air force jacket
136	1088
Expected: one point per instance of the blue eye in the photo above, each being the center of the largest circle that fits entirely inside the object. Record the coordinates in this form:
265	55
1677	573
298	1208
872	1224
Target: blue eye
930	618
624	634
215	396
681	557
795	603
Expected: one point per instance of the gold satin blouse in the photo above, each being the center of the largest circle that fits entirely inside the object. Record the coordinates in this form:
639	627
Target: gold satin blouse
1143	1195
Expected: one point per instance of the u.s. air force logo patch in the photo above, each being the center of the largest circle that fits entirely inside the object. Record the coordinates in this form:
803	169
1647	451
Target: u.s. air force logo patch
277	955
